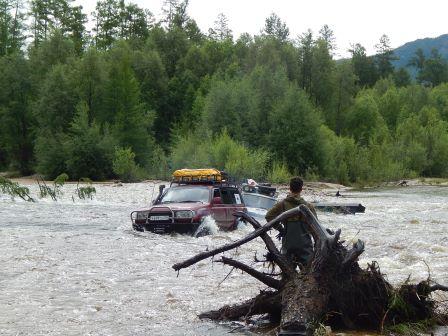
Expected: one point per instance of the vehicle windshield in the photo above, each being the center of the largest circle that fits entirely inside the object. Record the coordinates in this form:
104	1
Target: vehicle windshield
257	201
185	195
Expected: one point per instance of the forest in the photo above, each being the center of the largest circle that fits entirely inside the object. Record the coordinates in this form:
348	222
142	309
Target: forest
120	94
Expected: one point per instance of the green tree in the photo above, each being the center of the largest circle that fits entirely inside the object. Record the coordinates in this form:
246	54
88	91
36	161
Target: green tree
50	15
89	82
413	98
340	161
88	153
50	155
384	57
322	83
16	121
326	34
171	45
276	28
175	13
269	52
74	27
190	150
408	148
124	165
438	98
220	30
390	105
151	75
268	88
107	22
55	108
435	70
418	60
423	143
306	43
225	104
54	51
434	137
294	136
401	77
364	66
364	121
343	96
135	22
12	26
42	19
131	122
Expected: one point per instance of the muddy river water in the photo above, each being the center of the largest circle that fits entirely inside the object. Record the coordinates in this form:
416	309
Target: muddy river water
75	267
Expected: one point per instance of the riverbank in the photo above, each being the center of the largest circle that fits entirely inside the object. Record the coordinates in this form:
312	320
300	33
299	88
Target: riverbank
312	188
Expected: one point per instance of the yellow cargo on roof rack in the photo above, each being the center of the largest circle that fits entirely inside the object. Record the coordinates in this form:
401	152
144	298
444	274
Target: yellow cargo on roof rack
198	175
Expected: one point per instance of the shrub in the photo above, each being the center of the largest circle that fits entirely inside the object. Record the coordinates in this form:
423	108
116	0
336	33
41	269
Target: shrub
14	189
190	151
279	173
221	152
86	191
124	165
86	149
50	155
236	159
159	167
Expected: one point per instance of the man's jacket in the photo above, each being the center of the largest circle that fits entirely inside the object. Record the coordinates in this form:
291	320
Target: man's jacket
296	236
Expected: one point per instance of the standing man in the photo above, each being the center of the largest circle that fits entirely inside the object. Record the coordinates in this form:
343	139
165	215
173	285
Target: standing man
296	240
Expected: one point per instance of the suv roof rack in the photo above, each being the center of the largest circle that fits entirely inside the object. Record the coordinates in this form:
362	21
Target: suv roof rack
209	176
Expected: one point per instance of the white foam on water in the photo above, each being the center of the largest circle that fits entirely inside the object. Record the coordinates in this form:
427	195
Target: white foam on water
77	267
207	226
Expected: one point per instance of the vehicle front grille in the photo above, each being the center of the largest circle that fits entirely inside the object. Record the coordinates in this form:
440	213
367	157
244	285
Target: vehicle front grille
160	215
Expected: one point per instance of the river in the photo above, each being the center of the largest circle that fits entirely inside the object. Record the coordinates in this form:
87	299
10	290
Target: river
75	267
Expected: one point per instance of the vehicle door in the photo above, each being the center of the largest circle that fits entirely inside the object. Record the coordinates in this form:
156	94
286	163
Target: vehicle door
233	201
218	209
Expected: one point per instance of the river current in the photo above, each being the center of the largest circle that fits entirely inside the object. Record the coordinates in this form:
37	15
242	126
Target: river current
75	267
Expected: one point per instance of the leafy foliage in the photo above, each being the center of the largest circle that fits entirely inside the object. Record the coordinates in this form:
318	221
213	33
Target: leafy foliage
279	173
14	189
87	191
124	165
45	190
138	98
221	152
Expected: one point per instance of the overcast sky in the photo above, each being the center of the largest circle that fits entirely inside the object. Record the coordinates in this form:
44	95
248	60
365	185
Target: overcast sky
353	21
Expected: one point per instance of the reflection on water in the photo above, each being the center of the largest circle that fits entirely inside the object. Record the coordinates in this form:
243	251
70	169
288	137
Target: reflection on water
77	268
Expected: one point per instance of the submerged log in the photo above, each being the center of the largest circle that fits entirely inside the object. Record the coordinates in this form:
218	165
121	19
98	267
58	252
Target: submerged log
331	289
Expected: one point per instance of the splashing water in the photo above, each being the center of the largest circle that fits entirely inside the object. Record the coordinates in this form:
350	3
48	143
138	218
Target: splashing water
208	226
78	268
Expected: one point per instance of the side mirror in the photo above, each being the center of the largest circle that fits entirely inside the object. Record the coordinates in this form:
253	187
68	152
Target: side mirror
217	200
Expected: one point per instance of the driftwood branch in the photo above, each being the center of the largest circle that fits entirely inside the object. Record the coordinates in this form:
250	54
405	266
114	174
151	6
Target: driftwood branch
283	263
353	254
227	247
321	236
437	287
267	280
264	303
333	290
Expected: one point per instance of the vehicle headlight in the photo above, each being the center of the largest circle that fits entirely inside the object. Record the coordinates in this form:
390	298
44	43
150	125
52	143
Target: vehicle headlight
184	214
142	214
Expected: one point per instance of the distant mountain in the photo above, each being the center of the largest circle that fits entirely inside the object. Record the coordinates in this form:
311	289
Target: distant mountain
407	51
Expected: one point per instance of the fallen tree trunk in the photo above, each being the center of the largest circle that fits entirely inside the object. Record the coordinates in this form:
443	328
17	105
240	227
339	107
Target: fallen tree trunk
331	289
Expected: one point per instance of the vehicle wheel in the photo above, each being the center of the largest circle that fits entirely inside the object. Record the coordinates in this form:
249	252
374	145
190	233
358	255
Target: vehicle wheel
137	227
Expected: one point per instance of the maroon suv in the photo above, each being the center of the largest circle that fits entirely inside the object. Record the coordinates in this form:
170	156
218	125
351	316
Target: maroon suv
182	208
